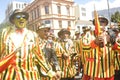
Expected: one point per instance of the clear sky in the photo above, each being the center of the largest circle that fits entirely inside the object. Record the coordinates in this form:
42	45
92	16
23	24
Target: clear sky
3	4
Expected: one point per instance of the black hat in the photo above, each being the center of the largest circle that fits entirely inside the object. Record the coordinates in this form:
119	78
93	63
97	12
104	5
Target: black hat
17	11
77	32
103	21
63	31
85	28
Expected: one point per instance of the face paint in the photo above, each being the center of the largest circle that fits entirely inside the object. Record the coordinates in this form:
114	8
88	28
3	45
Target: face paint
20	21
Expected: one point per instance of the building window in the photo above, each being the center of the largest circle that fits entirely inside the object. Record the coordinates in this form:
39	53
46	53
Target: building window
33	15
19	5
37	12
16	5
59	9
46	9
83	9
60	24
83	14
69	24
68	10
47	22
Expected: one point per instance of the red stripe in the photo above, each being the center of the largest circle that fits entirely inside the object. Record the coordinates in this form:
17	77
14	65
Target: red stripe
27	75
10	73
8	59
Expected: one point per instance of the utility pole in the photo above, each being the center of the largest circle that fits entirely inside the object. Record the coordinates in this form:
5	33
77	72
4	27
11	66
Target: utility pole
109	13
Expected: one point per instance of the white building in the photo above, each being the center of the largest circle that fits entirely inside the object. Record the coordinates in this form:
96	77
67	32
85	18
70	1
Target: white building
81	13
82	17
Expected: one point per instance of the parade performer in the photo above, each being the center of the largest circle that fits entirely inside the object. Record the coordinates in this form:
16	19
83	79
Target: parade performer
116	48
78	61
20	52
47	44
98	56
67	65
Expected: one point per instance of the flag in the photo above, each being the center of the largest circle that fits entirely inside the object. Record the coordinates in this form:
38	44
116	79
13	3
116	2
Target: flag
6	61
96	23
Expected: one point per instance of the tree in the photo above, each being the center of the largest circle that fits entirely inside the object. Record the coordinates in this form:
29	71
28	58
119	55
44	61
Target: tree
115	17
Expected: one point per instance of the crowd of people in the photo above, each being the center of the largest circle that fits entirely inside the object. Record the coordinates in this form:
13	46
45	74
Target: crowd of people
29	55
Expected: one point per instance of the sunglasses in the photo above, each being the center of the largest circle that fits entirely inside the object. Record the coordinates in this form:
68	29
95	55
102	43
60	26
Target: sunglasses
20	16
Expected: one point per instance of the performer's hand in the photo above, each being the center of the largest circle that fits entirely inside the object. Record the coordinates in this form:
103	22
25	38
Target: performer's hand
51	73
99	41
65	56
58	75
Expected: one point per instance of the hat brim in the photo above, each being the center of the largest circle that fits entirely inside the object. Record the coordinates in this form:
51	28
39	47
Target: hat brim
11	18
63	32
102	20
43	28
77	33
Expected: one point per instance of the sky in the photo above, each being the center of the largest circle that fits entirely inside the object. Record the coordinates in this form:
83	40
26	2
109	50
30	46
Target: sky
89	4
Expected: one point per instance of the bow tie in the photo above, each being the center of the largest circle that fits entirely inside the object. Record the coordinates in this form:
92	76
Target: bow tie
19	31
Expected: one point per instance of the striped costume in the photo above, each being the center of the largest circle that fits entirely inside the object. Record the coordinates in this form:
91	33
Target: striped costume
50	51
98	62
22	65
78	61
67	65
116	48
59	52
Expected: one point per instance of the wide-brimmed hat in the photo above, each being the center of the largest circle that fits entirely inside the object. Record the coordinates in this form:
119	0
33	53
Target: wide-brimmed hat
43	26
77	32
103	21
85	28
18	11
63	31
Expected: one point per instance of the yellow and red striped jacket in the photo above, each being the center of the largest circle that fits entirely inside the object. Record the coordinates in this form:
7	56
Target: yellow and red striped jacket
67	65
23	64
98	62
116	49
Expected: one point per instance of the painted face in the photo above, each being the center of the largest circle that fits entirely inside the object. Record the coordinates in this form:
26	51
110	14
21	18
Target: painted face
20	20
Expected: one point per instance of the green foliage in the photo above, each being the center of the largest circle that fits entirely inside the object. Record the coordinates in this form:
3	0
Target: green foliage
115	17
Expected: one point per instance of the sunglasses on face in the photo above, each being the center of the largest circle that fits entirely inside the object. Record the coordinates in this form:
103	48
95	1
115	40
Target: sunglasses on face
20	16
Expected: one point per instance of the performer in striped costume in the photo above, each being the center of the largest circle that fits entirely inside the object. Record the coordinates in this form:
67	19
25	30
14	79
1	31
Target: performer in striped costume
98	56
20	52
78	61
116	48
47	46
67	65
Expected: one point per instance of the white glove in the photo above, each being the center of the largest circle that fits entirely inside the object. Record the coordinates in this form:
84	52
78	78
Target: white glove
51	73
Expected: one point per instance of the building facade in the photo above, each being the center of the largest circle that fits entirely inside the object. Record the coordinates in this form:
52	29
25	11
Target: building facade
56	14
82	18
81	12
